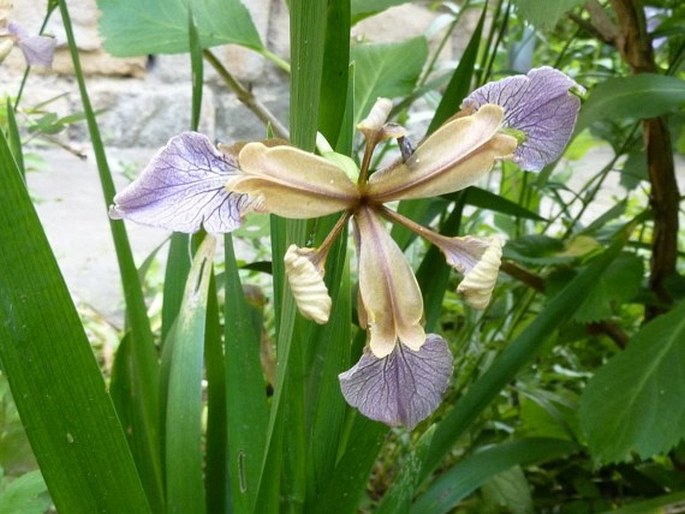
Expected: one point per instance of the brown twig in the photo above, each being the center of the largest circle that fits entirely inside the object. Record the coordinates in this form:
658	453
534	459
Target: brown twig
537	283
246	96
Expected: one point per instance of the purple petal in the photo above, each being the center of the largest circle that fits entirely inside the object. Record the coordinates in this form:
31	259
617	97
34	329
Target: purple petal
182	188
402	388
537	104
37	50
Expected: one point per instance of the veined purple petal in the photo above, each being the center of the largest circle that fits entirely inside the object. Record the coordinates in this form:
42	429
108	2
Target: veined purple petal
539	105
37	50
182	189
404	387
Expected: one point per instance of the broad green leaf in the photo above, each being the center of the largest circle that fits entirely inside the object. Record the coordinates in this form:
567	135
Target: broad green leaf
635	401
645	95
388	70
336	65
619	283
56	383
246	408
131	27
402	497
346	485
459	84
144	363
25	495
545	15
459	481
184	462
14	138
509	491
364	8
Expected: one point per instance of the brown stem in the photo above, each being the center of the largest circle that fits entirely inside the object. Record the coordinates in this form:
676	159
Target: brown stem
537	283
635	47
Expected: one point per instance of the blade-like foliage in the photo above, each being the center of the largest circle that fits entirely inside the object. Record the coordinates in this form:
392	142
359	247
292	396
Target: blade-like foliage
184	462
60	394
635	402
474	471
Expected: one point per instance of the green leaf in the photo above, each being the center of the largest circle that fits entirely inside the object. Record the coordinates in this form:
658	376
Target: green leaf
144	363
131	27
545	15
246	407
509	491
14	138
364	8
635	402
660	505
493	202
387	70
619	283
184	462
56	383
25	495
645	95
459	481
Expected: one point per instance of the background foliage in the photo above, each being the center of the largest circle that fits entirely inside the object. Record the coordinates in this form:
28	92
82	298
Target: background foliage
567	392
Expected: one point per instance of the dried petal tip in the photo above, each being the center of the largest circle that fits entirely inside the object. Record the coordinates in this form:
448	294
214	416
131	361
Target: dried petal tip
403	388
376	118
305	272
538	105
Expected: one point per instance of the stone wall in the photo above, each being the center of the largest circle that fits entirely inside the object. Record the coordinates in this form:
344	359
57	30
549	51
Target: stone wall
145	100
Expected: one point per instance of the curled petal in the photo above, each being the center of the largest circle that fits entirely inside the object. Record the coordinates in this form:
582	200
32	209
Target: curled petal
390	294
37	50
377	117
537	104
305	271
478	259
292	183
452	158
182	189
402	388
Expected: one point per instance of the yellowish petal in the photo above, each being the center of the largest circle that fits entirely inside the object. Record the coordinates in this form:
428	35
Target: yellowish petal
390	294
377	117
292	183
479	281
305	272
456	156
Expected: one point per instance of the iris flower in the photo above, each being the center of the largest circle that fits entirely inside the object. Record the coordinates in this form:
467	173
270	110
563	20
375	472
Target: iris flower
403	371
38	50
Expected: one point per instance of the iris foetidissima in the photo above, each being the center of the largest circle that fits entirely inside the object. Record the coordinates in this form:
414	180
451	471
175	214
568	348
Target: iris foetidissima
403	371
38	50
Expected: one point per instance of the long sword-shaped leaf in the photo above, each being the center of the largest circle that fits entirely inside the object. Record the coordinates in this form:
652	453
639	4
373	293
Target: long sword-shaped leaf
184	470
60	394
474	471
247	411
307	27
145	372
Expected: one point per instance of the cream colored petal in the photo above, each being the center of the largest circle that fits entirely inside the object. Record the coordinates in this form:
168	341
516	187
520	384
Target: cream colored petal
390	294
305	272
479	281
478	259
456	156
377	117
292	183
